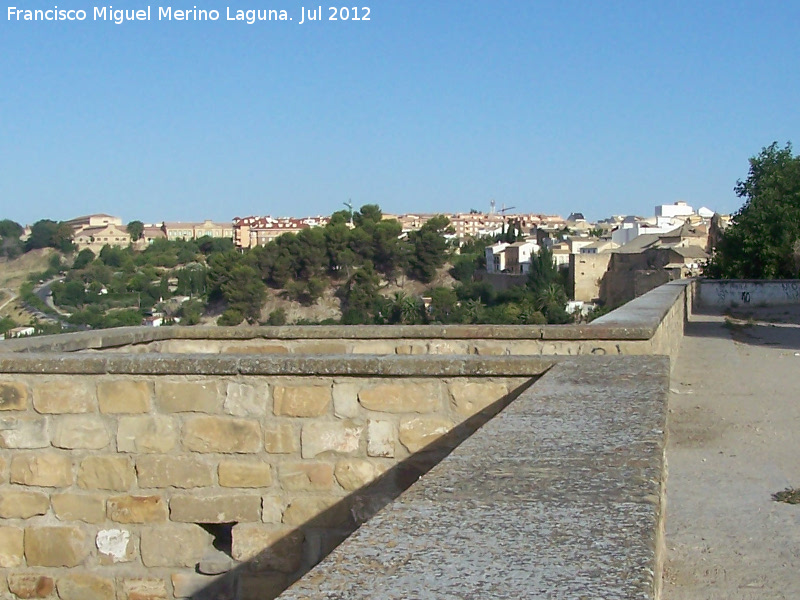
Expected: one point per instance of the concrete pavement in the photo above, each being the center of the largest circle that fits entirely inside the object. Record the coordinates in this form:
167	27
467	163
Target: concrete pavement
734	417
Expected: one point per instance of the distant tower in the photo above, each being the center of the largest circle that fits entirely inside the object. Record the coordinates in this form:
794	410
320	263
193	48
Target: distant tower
491	205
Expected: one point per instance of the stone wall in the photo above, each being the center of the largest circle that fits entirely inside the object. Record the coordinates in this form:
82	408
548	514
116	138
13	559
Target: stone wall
118	485
145	464
733	293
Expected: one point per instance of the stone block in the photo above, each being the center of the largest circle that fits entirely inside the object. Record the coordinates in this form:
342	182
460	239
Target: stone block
123	396
301	400
381	347
185	396
142	589
106	473
147	435
409	397
416	433
345	400
30	585
137	509
306	476
242	400
67	395
268	547
176	471
215	509
174	545
13	395
324	511
354	473
470	397
316	347
83	586
238	474
81	433
203	587
272	509
222	435
114	546
12	547
381	438
23	433
262	585
410	349
79	507
281	438
22	504
341	437
55	546
45	470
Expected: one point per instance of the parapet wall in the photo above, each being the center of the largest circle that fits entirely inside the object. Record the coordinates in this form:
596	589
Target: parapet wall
733	293
145	464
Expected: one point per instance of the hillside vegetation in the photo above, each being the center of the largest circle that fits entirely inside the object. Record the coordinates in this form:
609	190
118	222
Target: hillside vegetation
360	268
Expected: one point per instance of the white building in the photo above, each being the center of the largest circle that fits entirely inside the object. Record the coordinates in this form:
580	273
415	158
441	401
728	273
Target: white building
670	211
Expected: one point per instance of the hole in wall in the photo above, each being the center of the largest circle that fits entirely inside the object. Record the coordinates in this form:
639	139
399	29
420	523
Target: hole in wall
222	534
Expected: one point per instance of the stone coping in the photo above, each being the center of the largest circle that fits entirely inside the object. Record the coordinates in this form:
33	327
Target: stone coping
637	320
559	496
269	364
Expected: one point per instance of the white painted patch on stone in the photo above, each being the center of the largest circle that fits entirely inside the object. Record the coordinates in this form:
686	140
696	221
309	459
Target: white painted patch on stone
113	543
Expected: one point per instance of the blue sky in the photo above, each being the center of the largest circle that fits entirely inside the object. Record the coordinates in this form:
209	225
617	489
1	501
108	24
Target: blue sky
599	107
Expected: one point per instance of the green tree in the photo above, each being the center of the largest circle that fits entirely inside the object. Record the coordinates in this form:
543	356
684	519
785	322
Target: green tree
763	240
245	292
83	259
359	295
42	235
10	229
428	250
135	230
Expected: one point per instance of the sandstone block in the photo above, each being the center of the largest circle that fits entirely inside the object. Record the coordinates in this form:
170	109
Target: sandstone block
381	438
325	511
222	434
184	396
239	474
79	507
12	546
268	547
147	435
242	400
281	438
82	586
137	509
374	347
301	401
409	397
272	509
13	395
261	586
417	433
23	433
354	473
345	400
341	437
215	509
410	349
46	470
22	504
469	398
123	396
114	546
203	587
106	473
174	545
315	347
28	585
81	432
306	476
67	395
176	471
142	589
55	546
